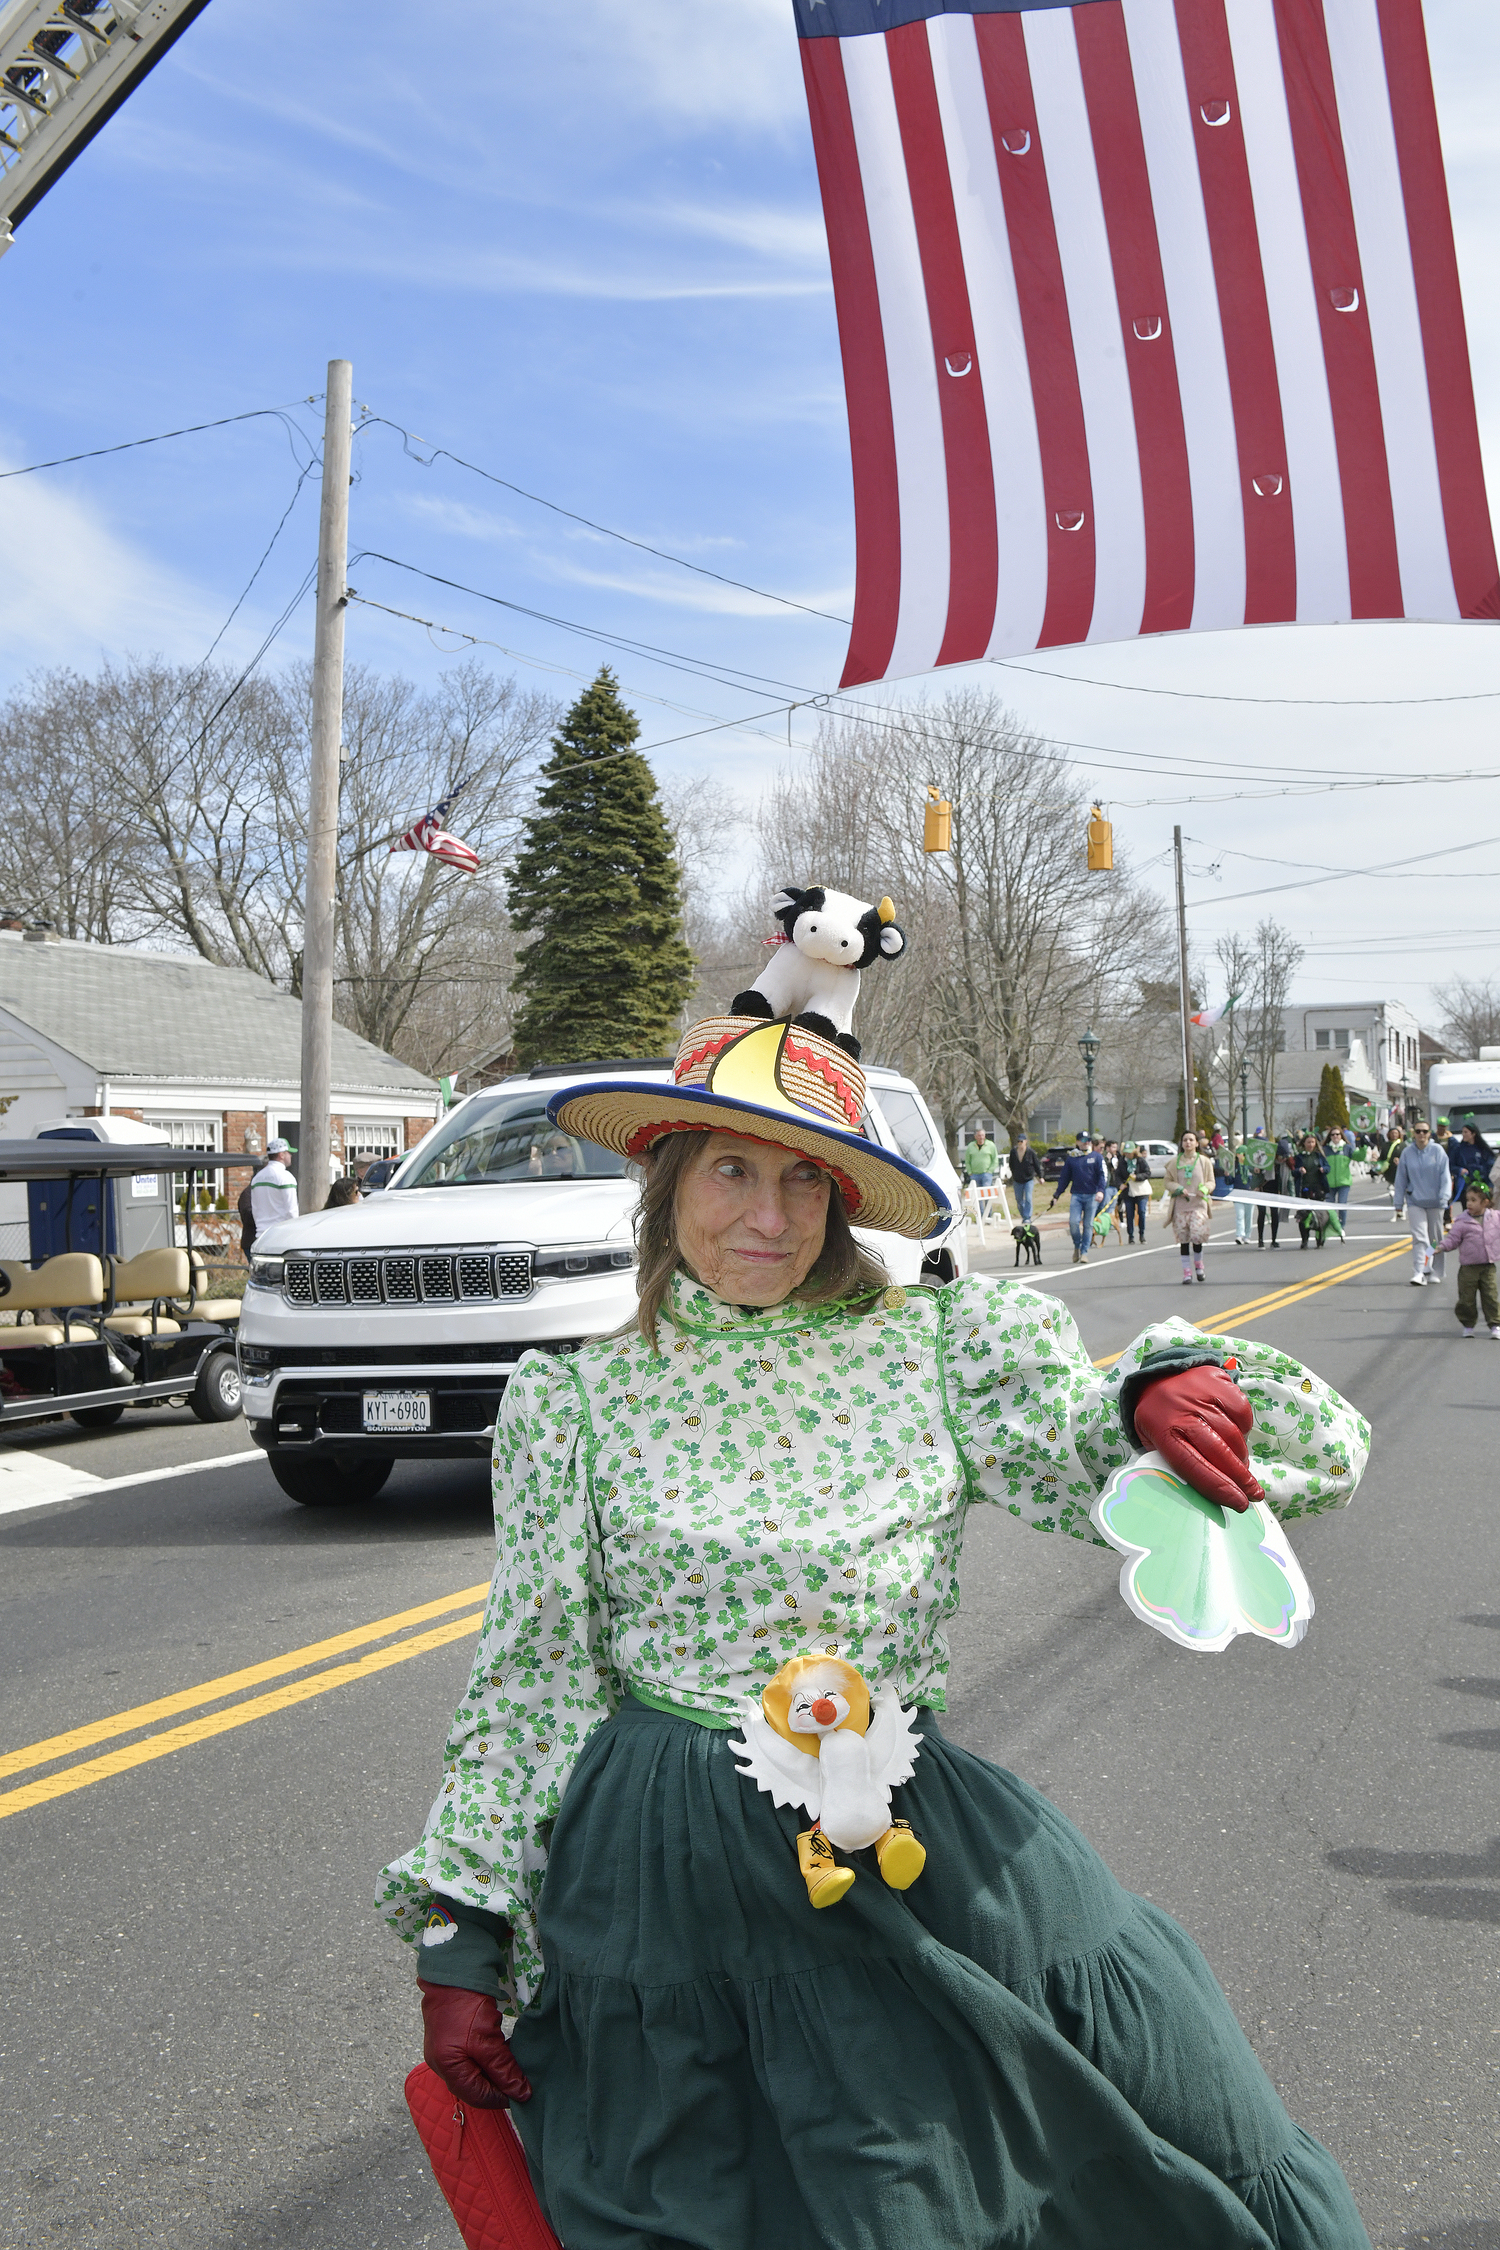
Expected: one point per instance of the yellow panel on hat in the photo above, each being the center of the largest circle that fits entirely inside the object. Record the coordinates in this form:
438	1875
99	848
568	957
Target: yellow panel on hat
747	1070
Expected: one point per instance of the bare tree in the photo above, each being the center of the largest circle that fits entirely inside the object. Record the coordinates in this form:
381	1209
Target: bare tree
1013	944
1471	1015
1237	958
176	803
1276	957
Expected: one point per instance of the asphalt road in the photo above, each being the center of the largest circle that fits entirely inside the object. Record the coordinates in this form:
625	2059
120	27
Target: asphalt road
203	2031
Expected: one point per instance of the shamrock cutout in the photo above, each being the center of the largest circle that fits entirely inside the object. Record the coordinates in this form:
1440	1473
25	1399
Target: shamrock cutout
1197	1572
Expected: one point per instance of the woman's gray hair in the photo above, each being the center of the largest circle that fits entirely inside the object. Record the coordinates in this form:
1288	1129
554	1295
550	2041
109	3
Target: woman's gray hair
842	1270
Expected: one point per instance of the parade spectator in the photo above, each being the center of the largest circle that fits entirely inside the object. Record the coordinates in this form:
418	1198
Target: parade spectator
1279	1175
344	1191
1424	1183
1312	1186
1025	1171
1475	1235
1470	1157
1243	1173
980	1159
273	1191
1187	1187
1137	1196
1339	1166
1083	1177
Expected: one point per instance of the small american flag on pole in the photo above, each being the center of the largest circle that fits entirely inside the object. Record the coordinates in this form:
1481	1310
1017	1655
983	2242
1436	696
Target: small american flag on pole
429	835
1150	320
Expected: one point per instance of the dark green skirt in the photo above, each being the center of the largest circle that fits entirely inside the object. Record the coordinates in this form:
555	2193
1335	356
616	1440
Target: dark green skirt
1015	2052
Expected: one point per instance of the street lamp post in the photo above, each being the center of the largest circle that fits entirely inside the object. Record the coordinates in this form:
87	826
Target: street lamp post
1088	1046
1245	1100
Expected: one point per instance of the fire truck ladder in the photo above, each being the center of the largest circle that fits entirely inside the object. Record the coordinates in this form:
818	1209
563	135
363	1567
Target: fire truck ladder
65	68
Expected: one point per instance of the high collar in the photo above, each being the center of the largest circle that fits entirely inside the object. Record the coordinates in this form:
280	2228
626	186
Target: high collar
696	1311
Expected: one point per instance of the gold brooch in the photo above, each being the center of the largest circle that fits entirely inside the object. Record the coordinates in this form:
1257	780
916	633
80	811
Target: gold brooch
893	1299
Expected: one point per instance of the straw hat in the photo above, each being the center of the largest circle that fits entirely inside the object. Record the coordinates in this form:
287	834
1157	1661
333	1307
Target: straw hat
771	1082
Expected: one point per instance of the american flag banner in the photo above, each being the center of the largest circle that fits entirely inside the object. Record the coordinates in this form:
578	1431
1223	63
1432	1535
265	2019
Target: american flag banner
1150	321
429	835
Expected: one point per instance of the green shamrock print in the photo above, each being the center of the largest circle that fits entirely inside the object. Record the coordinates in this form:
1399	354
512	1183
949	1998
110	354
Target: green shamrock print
1198	1572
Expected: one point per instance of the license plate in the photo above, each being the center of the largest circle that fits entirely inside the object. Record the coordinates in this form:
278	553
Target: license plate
398	1410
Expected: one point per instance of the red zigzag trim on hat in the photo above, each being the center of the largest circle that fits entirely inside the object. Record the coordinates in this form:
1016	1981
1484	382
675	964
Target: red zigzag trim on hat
822	1068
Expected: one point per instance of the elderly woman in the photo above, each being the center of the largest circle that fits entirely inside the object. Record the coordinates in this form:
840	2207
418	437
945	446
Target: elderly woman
775	1462
1187	1187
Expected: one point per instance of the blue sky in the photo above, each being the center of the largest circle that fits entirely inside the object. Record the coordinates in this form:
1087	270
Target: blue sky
582	247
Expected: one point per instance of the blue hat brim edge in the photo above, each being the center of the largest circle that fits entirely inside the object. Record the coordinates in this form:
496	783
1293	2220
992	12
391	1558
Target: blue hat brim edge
694	1097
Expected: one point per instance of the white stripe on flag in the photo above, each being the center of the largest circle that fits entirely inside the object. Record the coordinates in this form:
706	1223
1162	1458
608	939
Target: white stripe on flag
1094	313
1312	467
921	463
1193	306
999	341
1369	137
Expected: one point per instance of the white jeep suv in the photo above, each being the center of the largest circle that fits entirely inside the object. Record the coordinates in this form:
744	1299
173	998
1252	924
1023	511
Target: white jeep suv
387	1330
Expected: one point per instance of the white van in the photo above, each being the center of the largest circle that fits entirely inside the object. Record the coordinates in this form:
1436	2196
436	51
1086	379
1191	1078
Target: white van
387	1330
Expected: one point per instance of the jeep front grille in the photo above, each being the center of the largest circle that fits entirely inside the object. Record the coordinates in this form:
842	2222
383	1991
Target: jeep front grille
428	1278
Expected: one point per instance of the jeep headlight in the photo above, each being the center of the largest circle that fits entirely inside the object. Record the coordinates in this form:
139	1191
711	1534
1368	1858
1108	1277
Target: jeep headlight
578	1260
265	1273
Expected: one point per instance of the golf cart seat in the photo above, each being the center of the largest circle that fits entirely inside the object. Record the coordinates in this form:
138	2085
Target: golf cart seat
70	1283
153	1276
210	1308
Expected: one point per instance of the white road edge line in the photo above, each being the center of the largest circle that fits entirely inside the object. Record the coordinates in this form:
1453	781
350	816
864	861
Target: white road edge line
82	1484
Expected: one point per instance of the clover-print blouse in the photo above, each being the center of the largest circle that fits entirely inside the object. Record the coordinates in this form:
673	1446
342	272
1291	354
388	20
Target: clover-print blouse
770	1483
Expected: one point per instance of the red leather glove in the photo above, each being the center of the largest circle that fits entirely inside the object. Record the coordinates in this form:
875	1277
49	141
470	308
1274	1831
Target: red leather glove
463	2043
1199	1422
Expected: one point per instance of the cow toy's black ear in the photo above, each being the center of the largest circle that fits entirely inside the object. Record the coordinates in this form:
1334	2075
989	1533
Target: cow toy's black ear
785	902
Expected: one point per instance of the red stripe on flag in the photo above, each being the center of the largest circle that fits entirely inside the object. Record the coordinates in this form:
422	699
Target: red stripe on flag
1037	267
1450	387
1244	315
1348	353
973	546
1146	331
872	434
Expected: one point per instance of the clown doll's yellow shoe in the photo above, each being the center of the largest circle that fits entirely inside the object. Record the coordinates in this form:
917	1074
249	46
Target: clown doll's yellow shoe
901	1857
826	1881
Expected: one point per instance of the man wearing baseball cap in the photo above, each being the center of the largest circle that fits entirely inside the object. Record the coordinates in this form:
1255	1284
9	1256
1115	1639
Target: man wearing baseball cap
273	1191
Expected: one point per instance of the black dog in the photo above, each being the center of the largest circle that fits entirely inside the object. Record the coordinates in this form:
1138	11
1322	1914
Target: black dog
1029	1242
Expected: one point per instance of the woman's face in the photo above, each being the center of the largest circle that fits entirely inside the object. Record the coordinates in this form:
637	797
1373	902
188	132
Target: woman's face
1470	1135
750	1218
1189	1144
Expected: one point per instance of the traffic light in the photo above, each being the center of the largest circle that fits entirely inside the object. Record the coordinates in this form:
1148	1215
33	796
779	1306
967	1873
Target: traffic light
1101	845
937	826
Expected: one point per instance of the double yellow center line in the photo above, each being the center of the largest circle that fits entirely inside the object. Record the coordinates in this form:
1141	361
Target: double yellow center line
1294	1294
161	1744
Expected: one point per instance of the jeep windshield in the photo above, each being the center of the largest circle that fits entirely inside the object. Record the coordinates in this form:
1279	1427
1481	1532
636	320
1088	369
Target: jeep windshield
510	1138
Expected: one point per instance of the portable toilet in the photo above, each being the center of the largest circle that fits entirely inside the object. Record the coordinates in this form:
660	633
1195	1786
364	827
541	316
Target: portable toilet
112	1218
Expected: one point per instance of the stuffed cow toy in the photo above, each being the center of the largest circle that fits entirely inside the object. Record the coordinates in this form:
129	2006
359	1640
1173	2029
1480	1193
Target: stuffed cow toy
812	979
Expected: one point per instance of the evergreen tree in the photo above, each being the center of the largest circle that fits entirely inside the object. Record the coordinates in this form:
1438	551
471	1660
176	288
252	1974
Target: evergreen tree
1333	1101
597	882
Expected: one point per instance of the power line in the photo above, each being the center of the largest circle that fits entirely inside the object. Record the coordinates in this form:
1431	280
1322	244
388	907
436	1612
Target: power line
191	429
1343	874
1207	695
443	453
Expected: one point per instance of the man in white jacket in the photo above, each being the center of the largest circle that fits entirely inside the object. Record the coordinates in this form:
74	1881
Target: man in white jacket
273	1191
1423	1186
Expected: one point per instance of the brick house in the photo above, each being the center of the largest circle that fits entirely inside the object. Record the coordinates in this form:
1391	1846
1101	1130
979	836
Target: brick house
211	1056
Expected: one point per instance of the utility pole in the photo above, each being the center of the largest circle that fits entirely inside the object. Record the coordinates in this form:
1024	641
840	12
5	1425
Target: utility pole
315	1128
1189	1090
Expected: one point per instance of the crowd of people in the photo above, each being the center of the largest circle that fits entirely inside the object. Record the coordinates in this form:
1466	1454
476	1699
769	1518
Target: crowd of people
1442	1184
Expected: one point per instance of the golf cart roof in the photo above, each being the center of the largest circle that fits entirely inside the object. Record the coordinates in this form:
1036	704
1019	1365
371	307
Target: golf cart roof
81	1155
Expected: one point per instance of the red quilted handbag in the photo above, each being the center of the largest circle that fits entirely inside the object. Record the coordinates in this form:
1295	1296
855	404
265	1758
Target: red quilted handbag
480	2167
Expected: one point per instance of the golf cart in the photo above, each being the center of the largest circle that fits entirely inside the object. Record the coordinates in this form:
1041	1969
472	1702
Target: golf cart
109	1310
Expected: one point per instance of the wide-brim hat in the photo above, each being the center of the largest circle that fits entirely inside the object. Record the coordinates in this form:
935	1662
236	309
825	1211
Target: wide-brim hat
771	1082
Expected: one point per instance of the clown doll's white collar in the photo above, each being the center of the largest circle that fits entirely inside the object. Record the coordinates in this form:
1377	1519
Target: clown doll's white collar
841	1774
